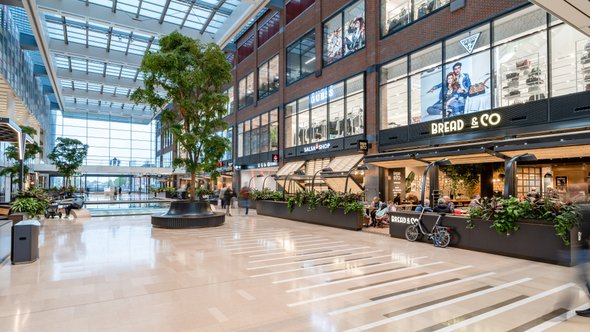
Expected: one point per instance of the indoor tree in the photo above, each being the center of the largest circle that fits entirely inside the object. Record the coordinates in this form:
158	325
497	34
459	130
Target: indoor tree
184	79
67	155
11	153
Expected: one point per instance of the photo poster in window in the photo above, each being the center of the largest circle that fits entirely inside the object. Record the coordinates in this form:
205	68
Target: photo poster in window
333	39
354	28
561	183
465	88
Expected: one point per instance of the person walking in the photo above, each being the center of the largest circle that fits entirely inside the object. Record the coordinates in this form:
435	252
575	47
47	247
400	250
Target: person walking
227	196
245	198
222	195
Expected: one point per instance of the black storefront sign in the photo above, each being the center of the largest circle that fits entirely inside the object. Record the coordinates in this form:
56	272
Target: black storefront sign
363	145
466	123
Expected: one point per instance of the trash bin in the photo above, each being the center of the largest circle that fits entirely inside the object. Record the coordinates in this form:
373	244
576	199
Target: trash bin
25	241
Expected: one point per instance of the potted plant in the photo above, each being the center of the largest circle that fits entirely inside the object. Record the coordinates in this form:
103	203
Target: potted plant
33	203
185	80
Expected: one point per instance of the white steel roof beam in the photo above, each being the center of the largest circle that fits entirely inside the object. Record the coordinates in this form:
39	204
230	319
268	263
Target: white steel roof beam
97	53
95	95
81	76
108	17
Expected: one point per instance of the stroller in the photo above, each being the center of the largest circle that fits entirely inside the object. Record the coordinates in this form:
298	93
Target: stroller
52	211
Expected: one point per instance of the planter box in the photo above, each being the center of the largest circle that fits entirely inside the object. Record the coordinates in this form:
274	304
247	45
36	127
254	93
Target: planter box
320	216
535	240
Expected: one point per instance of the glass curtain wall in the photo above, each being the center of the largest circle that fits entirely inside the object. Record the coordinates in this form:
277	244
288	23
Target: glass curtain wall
246	91
482	71
332	112
109	139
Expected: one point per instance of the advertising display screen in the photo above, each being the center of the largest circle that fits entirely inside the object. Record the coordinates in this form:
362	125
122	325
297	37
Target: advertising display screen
464	88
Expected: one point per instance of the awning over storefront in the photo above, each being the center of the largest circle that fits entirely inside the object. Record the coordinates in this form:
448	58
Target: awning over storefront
338	178
289	168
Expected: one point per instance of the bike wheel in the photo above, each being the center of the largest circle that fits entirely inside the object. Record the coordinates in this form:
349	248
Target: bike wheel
443	238
412	233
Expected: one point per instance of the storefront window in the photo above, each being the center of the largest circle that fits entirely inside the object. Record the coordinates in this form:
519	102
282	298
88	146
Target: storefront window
303	130
395	14
354	106
301	58
521	68
570	61
274	130
344	34
229	107
291	124
268	77
394	94
319	124
255	136
426	75
240	140
247	137
246	91
336	112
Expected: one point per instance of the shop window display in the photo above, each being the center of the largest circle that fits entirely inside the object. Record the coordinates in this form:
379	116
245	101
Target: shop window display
344	34
264	131
394	94
274	130
570	61
521	68
240	140
336	111
291	124
247	137
255	136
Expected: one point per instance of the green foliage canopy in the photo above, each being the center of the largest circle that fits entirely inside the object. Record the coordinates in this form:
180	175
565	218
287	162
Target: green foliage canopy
67	155
11	154
188	76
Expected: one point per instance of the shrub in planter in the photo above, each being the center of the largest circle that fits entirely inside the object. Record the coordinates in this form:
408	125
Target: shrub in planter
33	202
505	213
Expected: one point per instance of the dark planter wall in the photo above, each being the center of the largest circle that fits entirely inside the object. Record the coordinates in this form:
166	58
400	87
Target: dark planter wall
534	240
320	216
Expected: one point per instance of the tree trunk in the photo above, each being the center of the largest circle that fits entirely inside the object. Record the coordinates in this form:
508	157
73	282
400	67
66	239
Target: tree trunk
193	186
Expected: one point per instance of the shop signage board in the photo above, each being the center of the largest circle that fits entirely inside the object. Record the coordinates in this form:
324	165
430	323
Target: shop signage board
397	180
470	42
481	121
316	147
258	165
363	145
321	96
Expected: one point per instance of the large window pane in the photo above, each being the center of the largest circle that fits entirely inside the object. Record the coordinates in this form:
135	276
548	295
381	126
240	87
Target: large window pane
354	28
425	7
569	54
293	62
303	129
255	136
336	127
250	89
263	80
521	68
319	124
240	142
333	39
394	104
291	124
426	103
274	129
308	54
395	14
355	114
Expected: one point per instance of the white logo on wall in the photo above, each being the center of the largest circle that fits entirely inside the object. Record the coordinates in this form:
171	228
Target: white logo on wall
316	147
469	42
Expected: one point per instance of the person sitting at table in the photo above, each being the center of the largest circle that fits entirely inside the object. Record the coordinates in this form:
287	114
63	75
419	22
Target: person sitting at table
392	206
442	206
372	210
426	206
449	203
475	201
397	199
413	199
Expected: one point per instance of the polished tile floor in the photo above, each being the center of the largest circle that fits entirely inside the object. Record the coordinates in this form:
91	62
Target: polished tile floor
258	273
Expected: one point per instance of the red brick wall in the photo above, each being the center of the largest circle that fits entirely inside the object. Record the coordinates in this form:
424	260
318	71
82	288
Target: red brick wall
377	51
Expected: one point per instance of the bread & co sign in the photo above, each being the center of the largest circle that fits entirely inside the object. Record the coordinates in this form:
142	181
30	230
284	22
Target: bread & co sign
486	120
